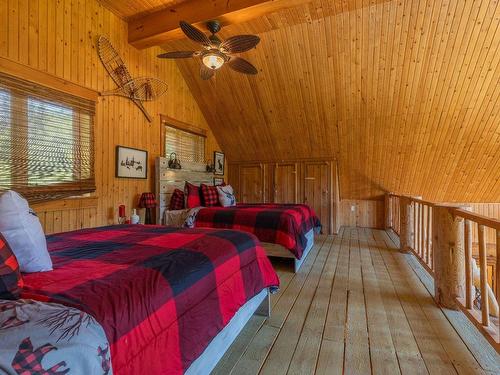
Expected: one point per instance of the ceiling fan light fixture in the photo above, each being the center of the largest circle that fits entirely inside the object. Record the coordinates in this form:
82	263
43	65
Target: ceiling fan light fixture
213	60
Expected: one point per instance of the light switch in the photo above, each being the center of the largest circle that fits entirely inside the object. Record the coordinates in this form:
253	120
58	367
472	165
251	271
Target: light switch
353	208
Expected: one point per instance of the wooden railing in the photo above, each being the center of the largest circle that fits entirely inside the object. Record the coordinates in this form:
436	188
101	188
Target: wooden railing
479	312
394	206
422	224
443	238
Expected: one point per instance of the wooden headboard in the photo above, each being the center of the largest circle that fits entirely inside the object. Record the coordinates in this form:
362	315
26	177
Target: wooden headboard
167	180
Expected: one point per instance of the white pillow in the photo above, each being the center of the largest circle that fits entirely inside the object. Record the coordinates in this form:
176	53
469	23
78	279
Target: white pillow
226	196
23	231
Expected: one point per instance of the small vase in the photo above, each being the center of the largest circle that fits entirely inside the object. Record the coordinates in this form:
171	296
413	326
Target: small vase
134	218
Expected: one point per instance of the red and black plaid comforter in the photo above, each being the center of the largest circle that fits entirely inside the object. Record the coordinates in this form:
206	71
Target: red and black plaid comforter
283	224
161	294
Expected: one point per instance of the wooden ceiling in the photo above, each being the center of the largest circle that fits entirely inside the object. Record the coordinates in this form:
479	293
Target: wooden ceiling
405	94
131	9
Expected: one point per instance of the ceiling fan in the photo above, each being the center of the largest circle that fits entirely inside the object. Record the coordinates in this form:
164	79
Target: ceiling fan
216	52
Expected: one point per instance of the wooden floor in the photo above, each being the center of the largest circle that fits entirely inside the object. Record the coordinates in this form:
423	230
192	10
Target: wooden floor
357	306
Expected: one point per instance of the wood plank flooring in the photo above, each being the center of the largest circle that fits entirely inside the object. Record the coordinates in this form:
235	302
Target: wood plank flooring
357	306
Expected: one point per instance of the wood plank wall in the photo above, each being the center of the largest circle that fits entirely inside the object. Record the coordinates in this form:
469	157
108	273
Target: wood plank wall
362	213
58	37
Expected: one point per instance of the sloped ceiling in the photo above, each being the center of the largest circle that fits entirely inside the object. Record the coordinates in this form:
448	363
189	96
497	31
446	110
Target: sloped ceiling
404	93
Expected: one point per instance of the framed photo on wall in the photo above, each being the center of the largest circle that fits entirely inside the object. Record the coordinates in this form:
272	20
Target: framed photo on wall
131	162
219	163
218	181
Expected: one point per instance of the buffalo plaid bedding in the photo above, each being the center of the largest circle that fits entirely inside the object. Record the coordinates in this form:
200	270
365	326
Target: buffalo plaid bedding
283	224
161	294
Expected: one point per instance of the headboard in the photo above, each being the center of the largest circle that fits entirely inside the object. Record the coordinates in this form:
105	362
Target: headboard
167	180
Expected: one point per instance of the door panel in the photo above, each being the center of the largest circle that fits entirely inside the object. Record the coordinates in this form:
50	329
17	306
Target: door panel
316	191
285	183
251	183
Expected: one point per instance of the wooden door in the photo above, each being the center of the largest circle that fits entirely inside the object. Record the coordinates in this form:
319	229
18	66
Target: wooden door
252	183
317	190
285	183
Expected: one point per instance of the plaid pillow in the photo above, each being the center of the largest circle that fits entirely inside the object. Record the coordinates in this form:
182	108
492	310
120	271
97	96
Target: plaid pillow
192	194
209	195
10	276
177	200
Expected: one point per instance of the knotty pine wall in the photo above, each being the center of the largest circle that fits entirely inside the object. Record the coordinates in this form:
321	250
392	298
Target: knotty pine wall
58	37
362	213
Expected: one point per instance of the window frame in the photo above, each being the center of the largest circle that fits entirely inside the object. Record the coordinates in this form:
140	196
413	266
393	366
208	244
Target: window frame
68	92
166	121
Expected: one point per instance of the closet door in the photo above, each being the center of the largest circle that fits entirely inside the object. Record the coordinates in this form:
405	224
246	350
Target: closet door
252	183
285	183
317	183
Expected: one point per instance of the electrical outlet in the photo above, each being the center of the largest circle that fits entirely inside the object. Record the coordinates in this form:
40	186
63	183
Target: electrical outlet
353	208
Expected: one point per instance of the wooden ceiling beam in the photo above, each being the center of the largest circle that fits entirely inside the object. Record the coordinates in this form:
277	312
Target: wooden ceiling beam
163	26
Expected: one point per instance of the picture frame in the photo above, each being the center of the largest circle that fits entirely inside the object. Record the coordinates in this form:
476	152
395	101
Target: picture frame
219	161
131	163
218	181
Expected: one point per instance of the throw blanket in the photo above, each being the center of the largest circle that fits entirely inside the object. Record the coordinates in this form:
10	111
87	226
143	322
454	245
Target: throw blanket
50	339
161	294
283	224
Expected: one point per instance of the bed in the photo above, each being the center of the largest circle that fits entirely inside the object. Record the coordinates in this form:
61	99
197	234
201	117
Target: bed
285	230
156	299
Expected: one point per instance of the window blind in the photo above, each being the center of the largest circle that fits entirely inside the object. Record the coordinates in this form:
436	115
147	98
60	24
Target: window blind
188	146
46	141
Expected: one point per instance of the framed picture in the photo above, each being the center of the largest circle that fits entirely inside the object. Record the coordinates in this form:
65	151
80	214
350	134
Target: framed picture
219	163
131	162
218	181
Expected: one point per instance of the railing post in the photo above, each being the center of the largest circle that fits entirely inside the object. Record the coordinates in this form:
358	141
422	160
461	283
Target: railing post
388	211
449	257
406	235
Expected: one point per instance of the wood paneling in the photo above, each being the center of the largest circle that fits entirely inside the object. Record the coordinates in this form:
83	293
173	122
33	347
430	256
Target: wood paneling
58	37
131	9
252	183
404	93
362	213
316	177
285	183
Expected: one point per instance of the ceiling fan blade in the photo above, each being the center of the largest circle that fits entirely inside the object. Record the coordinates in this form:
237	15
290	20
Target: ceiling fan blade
194	34
241	65
240	43
176	55
205	72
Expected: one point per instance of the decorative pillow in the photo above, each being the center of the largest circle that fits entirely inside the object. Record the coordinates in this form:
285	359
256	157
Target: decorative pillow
177	200
192	194
190	221
23	231
209	195
226	196
10	276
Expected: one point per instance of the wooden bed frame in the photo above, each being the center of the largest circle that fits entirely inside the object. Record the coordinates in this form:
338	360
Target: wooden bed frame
206	362
279	251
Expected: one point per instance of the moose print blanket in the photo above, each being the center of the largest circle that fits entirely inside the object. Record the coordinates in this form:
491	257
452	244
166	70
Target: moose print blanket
50	339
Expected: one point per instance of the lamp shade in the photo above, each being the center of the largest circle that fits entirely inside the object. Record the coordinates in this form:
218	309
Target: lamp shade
147	200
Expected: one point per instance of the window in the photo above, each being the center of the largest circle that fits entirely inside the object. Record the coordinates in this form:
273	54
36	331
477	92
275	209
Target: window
188	145
46	141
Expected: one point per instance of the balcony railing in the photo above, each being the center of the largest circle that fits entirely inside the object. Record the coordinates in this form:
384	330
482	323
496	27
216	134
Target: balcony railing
460	249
